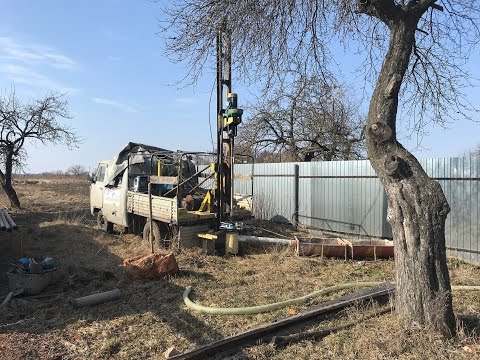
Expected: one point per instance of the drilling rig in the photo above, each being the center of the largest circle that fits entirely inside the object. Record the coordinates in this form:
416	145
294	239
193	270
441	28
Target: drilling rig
229	116
228	119
159	193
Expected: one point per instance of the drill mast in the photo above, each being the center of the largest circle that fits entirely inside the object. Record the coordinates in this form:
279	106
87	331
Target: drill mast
227	121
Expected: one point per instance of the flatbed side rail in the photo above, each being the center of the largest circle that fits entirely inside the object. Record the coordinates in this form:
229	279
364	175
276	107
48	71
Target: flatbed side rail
163	208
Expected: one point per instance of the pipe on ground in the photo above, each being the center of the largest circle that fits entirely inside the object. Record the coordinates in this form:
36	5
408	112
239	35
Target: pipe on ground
4	225
269	240
96	299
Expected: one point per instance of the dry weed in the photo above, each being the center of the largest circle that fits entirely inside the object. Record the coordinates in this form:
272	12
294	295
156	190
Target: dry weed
151	317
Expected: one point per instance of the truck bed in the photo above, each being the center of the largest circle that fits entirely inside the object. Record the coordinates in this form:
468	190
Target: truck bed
163	209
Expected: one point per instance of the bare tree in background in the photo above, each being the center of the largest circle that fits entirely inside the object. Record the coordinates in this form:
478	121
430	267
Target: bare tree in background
475	151
21	123
303	120
414	49
76	170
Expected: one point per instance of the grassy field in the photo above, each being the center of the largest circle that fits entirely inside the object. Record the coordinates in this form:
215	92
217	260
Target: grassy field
151	317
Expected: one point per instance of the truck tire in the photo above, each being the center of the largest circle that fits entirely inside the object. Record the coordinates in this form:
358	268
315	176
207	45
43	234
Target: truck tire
103	224
157	238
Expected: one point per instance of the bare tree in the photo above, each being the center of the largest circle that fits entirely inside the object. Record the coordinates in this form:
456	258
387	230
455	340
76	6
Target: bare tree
304	120
76	170
415	49
20	123
475	151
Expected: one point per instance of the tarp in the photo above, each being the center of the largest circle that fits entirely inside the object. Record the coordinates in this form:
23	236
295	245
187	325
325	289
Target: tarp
153	266
120	161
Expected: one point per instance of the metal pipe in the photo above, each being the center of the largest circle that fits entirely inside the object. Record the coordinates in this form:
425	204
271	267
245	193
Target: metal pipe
185	181
180	175
228	90
253	174
327	221
150	216
2	224
10	221
232	174
296	195
228	62
249	238
219	178
201	183
5	223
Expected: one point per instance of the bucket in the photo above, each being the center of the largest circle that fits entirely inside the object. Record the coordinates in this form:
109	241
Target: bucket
30	283
231	243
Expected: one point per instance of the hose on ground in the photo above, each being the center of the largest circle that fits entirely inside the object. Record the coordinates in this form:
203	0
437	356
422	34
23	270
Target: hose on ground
281	304
269	307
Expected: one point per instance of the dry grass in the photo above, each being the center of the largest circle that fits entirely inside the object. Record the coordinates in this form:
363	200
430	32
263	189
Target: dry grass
150	317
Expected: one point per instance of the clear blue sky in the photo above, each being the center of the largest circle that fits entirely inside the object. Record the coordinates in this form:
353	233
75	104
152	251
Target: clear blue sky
107	55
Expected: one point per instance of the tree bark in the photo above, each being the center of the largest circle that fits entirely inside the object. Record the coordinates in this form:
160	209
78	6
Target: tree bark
417	207
6	180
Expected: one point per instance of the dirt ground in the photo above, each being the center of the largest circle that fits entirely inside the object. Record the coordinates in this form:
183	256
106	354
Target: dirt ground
150	315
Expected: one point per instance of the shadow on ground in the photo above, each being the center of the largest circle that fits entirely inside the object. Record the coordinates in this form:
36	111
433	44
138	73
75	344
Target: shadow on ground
87	267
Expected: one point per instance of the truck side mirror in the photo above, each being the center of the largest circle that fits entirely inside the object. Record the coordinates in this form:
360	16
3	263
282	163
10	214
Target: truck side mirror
92	178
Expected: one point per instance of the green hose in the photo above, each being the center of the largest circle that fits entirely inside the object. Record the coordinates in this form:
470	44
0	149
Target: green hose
269	307
278	305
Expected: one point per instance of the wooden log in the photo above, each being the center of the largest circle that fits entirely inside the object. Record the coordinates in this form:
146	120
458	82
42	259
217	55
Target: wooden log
267	330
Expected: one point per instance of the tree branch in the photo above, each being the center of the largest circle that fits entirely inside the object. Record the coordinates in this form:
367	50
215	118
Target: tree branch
386	11
422	6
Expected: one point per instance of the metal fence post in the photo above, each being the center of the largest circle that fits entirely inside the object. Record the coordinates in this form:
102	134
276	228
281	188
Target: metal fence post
296	193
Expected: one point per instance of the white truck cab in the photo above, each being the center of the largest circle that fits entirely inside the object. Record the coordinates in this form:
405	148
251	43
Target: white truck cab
108	198
96	188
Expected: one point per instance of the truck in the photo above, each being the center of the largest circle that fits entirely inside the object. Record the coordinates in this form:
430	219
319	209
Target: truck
174	196
144	183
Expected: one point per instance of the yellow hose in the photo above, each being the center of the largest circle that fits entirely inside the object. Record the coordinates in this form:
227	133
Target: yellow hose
269	307
281	304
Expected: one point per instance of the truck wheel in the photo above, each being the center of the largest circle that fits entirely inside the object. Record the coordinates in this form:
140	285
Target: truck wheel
103	224
157	239
173	233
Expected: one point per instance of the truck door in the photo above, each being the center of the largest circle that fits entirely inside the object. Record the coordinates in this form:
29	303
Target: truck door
114	200
96	189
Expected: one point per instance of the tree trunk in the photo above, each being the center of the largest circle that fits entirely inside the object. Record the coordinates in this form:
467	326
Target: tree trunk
12	196
6	181
417	207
